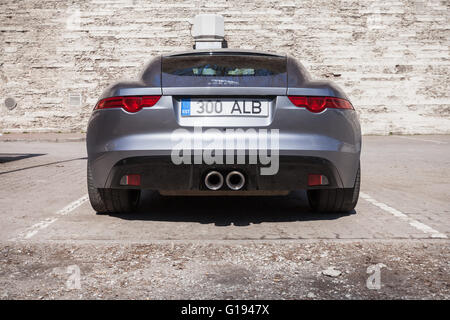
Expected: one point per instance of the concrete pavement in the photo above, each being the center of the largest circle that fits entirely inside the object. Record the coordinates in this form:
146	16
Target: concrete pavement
403	213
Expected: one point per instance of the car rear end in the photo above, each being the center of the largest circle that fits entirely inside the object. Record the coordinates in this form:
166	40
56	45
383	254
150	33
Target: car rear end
199	95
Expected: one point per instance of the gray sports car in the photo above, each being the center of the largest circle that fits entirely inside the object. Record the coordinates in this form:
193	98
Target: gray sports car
223	122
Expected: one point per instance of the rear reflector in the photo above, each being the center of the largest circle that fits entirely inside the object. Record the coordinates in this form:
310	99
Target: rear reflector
317	180
318	104
130	104
131	180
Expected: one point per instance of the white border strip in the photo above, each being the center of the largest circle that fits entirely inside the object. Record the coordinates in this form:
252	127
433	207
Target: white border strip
31	231
414	223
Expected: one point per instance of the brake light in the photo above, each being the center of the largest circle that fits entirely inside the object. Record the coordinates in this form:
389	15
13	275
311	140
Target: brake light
318	104
130	104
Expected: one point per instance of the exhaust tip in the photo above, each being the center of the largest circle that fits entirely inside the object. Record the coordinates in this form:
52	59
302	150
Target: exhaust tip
235	180
214	180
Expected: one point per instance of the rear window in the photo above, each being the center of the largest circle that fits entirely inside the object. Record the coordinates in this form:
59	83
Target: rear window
224	71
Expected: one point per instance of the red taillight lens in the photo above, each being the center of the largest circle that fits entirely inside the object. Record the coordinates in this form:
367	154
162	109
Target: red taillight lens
314	179
130	104
131	180
318	104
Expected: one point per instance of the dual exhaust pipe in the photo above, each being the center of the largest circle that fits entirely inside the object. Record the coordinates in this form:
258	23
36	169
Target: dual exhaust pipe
234	180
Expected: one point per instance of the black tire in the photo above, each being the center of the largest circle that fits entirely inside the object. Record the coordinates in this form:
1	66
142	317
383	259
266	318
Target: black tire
335	200
111	200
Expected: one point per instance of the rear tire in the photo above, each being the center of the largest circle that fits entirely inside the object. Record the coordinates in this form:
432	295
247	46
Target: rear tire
335	200
111	200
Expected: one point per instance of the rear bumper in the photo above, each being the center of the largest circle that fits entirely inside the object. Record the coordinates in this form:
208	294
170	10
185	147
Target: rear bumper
118	141
159	173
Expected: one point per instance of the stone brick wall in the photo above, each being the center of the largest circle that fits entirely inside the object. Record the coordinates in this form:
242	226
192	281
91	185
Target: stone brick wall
391	57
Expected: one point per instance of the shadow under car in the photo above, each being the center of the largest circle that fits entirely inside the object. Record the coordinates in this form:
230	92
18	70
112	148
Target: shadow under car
227	210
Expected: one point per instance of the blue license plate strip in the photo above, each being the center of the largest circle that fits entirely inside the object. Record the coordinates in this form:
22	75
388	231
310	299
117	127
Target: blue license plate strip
185	107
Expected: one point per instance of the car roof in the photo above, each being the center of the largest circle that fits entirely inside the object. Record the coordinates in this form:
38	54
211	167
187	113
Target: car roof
223	51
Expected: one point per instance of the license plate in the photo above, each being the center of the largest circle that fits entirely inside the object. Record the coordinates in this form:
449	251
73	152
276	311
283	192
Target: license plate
224	108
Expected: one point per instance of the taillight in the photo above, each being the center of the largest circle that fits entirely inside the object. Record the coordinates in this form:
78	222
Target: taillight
318	104
130	104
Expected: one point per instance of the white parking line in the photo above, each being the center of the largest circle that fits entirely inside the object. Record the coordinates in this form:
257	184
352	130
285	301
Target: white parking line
414	223
424	140
31	231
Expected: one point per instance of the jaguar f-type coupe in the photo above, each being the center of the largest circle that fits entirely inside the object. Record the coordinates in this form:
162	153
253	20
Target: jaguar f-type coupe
223	122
